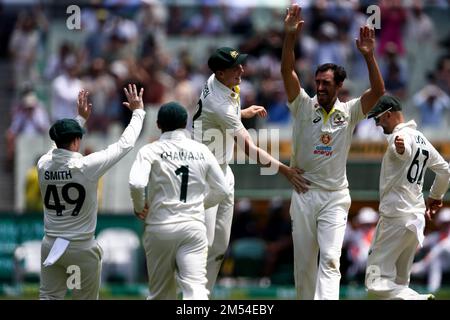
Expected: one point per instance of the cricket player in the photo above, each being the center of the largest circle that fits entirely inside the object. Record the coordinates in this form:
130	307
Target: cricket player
322	133
68	183
172	181
402	207
217	123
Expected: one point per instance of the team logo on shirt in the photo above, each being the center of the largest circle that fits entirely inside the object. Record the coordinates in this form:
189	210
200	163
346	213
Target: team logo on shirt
338	119
325	138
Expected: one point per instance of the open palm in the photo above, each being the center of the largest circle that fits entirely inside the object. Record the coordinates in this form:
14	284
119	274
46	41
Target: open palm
366	41
293	22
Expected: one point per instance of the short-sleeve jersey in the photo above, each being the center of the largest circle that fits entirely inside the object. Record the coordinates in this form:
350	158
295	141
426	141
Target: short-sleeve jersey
218	118
321	141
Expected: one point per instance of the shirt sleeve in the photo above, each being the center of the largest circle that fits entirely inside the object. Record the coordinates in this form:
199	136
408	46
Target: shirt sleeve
139	176
296	105
218	188
228	118
355	110
97	163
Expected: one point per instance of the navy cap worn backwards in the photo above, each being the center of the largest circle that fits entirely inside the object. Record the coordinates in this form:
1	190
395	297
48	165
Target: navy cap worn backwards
172	116
385	103
224	58
63	128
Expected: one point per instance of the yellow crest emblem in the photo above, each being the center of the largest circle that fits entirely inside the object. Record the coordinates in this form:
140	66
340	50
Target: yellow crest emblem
234	54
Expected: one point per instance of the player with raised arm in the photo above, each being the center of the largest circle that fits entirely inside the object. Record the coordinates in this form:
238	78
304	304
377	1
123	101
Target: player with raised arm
322	132
68	182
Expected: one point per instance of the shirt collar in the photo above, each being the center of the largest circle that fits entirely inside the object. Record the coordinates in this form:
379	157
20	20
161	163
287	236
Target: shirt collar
178	134
64	153
410	124
223	88
338	106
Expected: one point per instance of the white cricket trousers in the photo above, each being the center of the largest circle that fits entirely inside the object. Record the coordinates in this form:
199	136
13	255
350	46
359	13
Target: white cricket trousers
218	225
319	219
390	260
82	260
176	254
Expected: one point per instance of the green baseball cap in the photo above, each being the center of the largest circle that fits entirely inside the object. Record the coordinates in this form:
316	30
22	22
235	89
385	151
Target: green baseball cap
385	103
224	58
64	128
172	116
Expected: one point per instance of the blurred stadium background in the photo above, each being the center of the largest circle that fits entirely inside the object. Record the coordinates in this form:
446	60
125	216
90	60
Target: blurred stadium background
163	45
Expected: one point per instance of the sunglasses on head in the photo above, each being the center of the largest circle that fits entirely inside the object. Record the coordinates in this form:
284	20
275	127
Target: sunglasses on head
378	116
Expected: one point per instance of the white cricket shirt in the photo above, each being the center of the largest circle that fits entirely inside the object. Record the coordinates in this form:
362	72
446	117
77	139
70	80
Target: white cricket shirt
68	182
173	175
402	176
218	118
321	141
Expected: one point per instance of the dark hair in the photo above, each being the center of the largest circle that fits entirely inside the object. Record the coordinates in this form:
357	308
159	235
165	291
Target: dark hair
172	116
338	71
65	141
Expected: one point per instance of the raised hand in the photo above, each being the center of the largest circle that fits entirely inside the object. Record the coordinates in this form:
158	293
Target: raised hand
292	22
254	110
366	41
84	108
399	143
134	100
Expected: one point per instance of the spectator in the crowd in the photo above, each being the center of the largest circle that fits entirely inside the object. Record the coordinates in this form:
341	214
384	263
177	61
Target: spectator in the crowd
431	103
437	261
102	87
23	47
393	19
65	90
55	64
205	22
29	117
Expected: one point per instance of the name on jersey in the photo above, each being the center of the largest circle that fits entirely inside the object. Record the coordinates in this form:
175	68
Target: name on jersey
182	155
324	150
58	175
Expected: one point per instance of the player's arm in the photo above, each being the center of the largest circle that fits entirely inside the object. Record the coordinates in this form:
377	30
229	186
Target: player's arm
292	27
252	111
366	46
138	181
218	187
97	163
440	185
294	175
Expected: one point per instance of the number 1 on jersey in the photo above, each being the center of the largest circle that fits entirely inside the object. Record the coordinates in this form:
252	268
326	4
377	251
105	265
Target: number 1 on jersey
184	170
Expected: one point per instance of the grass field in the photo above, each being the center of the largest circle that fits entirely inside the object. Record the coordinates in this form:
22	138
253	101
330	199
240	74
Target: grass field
240	292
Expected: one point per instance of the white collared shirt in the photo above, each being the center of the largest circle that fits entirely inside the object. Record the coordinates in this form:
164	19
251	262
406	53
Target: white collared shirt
68	183
321	141
401	176
217	119
173	176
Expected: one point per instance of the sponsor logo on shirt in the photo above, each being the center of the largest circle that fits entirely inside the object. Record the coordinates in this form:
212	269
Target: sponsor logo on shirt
317	119
324	150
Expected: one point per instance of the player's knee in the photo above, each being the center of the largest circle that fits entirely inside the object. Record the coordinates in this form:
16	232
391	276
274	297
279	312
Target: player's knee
330	260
